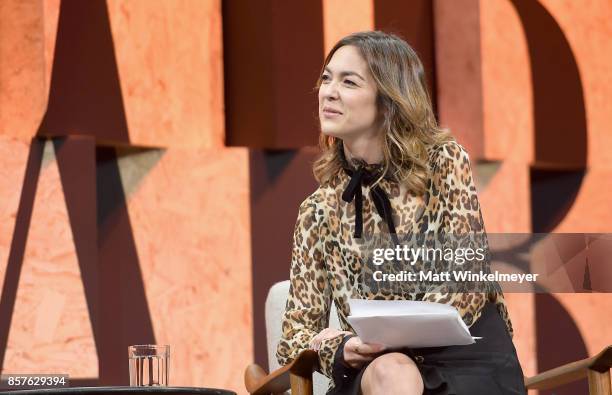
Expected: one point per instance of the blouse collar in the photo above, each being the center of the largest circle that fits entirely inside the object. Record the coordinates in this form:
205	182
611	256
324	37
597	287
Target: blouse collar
354	164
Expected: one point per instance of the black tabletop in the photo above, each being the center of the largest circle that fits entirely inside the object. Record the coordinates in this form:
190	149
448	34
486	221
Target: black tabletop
122	390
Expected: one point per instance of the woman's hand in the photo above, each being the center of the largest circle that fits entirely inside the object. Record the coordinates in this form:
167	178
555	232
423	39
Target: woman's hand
327	333
358	353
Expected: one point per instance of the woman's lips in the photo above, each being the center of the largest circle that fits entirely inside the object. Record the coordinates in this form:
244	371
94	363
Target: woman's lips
331	114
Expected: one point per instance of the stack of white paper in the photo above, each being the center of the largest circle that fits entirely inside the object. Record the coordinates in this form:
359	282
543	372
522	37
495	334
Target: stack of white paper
405	323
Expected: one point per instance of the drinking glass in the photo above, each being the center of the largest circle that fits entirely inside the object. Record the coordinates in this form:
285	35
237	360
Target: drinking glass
149	365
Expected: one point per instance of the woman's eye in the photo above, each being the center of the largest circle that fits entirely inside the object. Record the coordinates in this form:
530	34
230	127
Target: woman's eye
324	78
350	82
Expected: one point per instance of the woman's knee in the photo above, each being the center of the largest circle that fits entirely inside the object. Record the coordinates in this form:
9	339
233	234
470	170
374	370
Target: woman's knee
393	368
386	364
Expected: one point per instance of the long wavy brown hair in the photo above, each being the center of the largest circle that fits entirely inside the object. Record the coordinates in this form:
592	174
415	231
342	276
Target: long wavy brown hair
408	125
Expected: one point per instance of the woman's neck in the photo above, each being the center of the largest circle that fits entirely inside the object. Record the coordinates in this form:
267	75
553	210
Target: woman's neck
367	149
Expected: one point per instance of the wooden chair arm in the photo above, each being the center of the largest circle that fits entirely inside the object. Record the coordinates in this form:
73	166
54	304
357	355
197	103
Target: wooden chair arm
592	367
296	375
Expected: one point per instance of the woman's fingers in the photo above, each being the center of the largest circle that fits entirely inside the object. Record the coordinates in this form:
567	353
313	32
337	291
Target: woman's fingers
327	333
370	348
358	346
315	342
357	353
361	358
356	360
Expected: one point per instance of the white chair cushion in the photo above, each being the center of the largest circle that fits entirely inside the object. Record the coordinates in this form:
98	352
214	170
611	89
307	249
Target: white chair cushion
275	307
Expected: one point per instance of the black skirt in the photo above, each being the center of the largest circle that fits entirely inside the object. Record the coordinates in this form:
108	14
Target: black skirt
488	367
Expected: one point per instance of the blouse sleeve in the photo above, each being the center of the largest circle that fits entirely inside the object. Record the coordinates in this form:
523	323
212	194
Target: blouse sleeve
309	300
460	223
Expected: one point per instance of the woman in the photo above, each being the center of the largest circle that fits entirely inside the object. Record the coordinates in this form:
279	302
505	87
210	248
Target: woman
387	168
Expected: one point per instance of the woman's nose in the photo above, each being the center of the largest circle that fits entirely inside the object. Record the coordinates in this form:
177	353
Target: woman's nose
330	90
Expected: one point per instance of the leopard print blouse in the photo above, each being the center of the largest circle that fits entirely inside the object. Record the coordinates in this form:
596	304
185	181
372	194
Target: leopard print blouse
326	268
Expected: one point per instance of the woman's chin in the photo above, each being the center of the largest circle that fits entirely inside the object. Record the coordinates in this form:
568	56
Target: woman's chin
334	132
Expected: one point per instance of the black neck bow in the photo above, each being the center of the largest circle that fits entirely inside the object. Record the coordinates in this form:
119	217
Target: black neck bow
361	176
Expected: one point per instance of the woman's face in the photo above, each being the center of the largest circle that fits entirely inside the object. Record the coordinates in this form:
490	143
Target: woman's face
347	96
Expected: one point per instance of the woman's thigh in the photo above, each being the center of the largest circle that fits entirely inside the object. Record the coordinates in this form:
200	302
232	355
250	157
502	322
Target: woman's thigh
392	373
